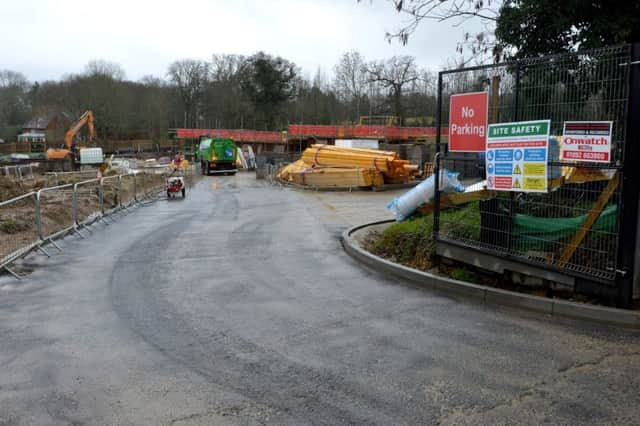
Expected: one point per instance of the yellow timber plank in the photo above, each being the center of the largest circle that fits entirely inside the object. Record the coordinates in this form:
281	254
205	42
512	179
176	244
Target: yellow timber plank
590	220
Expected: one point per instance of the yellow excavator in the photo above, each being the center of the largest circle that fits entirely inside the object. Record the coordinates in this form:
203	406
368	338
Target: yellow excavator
70	153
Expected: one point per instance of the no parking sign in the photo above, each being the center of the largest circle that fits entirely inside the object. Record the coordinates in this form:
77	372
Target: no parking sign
468	122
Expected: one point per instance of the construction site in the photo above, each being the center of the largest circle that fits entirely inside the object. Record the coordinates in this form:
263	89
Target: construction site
232	241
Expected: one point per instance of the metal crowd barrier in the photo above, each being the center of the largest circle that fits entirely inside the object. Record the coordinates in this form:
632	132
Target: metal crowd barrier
32	220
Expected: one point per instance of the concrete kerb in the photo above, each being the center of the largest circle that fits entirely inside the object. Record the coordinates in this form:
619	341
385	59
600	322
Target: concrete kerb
488	295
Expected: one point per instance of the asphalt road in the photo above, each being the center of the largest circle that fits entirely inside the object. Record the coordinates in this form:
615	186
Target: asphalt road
238	306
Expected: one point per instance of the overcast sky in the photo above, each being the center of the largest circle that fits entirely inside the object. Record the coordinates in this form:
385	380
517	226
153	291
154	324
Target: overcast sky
48	39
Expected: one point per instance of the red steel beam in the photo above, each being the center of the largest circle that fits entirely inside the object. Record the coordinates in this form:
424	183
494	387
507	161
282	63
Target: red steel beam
315	131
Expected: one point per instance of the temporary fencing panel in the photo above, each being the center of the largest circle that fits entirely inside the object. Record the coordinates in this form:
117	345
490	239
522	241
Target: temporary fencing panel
128	189
88	201
54	210
19	171
110	193
30	220
18	227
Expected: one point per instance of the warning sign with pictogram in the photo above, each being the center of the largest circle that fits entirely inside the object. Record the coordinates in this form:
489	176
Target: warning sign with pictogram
517	155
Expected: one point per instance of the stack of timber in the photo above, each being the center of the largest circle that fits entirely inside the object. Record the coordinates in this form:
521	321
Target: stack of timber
338	167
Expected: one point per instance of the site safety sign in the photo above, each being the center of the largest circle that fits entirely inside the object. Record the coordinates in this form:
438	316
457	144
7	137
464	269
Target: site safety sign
517	155
468	122
587	141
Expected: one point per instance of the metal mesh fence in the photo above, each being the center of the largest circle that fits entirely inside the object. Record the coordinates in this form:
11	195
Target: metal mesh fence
56	210
59	178
543	228
20	171
88	204
26	222
575	226
151	183
128	189
587	86
191	175
18	227
110	193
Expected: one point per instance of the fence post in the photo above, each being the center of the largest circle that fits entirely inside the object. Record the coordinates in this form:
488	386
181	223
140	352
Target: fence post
436	197
436	165
119	191
628	234
101	192
144	184
135	188
75	204
516	95
439	113
39	216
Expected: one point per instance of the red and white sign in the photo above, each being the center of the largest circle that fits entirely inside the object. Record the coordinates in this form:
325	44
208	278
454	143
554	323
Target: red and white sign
468	122
588	141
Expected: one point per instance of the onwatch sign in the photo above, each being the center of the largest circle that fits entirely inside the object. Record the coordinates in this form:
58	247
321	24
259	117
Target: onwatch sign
468	122
587	141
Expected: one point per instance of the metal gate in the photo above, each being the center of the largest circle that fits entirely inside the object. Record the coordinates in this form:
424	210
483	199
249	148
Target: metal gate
579	227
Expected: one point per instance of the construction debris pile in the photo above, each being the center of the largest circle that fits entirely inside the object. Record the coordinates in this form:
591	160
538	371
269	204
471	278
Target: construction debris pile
338	167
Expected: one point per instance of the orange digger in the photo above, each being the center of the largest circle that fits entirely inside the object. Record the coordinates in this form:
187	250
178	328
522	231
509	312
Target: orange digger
71	154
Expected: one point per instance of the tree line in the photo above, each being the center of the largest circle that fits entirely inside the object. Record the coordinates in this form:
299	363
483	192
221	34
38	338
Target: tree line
262	91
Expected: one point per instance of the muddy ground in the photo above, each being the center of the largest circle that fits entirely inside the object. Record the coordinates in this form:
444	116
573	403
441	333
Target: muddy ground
18	225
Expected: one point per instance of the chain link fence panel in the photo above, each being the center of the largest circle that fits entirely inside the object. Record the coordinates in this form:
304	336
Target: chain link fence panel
55	210
18	225
88	201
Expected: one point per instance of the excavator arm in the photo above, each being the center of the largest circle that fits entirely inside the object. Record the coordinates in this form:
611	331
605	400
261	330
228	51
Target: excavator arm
85	119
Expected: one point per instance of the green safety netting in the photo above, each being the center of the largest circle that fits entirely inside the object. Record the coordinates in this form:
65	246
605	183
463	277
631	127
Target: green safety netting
534	233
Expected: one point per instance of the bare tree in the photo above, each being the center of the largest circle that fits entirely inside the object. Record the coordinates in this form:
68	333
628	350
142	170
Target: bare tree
227	67
457	12
224	104
190	76
101	68
10	78
394	74
350	78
